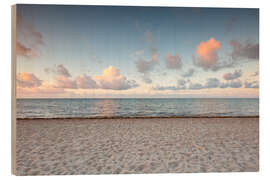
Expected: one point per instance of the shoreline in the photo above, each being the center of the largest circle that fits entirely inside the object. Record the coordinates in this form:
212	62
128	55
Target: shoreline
137	117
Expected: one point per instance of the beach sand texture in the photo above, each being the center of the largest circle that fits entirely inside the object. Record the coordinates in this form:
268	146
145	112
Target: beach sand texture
113	146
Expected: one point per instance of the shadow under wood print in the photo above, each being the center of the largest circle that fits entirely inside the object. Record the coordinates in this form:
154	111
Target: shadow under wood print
120	90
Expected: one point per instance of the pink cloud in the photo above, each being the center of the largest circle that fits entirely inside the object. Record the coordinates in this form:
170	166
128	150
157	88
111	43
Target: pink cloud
28	39
86	82
28	85
46	90
27	80
173	62
207	54
65	82
144	66
24	51
112	79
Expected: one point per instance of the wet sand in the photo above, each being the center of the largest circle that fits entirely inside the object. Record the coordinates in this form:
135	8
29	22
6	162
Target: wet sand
113	146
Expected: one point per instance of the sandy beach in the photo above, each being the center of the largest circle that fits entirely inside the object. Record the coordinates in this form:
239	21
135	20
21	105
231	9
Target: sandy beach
113	146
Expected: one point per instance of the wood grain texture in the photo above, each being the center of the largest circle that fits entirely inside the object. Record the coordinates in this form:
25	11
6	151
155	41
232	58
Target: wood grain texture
13	89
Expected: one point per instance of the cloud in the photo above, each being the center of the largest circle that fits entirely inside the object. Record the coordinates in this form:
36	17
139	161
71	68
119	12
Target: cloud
215	83
173	62
163	88
28	85
189	73
112	79
47	70
236	84
147	79
231	84
37	38
181	85
207	54
195	86
22	50
65	82
223	64
224	85
46	90
59	70
231	76
244	51
30	37
86	82
253	84
212	83
144	66
63	77
27	31
27	80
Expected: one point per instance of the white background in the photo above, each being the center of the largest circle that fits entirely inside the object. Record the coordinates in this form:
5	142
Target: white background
5	85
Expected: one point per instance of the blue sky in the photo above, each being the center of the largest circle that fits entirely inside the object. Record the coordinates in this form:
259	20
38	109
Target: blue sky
86	40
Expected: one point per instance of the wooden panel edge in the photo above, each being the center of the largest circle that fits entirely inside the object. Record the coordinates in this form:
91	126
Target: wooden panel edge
13	89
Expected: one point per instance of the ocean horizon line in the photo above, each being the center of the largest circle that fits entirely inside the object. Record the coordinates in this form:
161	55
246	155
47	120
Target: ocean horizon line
135	117
147	98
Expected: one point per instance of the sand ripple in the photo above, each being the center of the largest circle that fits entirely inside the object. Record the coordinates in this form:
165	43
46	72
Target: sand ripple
116	146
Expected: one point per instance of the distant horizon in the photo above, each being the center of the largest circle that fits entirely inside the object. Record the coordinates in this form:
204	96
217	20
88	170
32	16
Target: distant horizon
147	98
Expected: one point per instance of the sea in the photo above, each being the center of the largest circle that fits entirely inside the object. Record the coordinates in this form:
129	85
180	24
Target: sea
99	108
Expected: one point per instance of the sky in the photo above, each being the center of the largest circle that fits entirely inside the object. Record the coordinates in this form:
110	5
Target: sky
136	52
